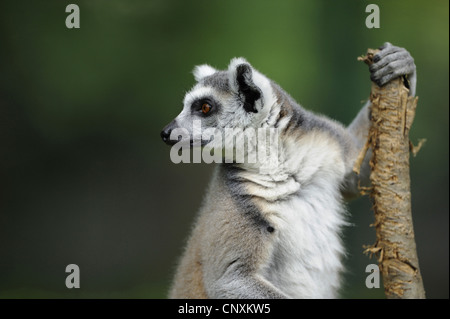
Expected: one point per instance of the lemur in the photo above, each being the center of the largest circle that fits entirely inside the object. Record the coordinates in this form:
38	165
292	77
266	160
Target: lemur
273	233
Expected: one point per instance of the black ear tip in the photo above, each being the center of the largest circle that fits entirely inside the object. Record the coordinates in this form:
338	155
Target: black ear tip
244	74
249	91
243	68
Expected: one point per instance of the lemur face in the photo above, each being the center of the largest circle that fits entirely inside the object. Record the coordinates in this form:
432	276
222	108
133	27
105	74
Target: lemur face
237	98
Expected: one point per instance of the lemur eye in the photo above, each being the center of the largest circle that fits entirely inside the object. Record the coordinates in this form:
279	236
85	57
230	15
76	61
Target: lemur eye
206	108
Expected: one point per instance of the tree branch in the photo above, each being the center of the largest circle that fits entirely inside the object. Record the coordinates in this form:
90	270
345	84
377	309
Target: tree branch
392	114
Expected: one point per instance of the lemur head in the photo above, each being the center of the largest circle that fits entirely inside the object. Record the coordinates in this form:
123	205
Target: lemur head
239	97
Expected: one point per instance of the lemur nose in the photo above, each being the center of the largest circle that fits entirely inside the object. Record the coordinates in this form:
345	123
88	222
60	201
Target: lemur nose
165	134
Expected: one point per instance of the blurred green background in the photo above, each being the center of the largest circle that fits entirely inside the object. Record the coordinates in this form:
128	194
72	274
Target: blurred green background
84	177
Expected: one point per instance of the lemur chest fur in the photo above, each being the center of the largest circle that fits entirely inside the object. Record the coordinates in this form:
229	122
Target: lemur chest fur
306	212
306	247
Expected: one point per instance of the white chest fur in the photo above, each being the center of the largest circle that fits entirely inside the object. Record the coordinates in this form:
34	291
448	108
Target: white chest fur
307	214
306	253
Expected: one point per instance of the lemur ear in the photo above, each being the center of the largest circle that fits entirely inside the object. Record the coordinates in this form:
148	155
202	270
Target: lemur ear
241	80
201	71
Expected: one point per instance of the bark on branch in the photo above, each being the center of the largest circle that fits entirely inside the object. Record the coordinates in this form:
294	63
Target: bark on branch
392	114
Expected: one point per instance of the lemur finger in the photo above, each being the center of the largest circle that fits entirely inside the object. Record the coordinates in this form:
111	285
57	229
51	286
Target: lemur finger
391	71
377	78
387	51
385	79
399	55
403	56
385	70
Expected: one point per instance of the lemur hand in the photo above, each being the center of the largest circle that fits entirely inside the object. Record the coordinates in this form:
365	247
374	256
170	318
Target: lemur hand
392	62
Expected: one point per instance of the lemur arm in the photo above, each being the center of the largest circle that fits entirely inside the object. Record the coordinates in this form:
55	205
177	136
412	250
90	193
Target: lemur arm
239	285
239	279
391	62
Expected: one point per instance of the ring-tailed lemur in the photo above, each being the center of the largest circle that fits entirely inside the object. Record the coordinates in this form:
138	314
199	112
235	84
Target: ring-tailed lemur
276	233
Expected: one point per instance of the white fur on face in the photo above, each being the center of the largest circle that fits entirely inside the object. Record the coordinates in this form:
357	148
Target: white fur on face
197	92
232	114
185	118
